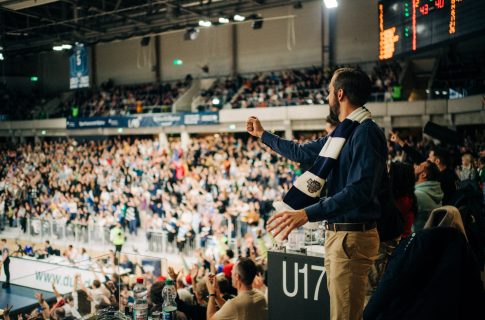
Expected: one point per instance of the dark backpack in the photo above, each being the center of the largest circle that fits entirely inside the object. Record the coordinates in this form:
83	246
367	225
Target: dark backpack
391	223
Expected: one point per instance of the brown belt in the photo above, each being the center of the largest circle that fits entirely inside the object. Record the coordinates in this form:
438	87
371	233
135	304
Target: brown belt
350	226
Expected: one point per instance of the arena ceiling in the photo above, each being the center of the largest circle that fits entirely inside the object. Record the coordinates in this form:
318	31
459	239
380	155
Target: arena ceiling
37	25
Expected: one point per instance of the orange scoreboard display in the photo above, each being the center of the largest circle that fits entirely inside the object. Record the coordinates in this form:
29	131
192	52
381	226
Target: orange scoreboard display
410	25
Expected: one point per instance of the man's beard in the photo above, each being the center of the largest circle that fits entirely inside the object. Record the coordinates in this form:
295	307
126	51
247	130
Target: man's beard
335	110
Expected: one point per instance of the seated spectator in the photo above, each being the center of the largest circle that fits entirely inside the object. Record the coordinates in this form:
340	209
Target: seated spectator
249	304
66	307
402	185
467	172
428	192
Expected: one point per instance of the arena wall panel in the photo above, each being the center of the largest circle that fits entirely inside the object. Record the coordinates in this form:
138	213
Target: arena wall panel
213	47
269	48
357	36
124	62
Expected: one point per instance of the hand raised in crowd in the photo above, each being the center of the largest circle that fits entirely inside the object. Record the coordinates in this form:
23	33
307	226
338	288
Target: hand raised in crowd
213	285
254	127
395	138
6	312
172	274
286	222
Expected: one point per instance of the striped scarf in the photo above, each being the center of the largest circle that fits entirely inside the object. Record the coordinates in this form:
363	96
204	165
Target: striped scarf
307	188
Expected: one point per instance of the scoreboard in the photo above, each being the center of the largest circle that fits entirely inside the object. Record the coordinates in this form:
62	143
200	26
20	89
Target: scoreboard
409	25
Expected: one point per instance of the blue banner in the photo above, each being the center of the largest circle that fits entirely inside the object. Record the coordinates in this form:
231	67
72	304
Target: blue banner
79	71
144	121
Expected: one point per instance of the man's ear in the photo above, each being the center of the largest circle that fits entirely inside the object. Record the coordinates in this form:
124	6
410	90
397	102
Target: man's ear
340	94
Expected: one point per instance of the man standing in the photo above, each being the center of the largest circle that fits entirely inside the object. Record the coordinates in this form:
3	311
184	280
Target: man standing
5	262
352	163
117	237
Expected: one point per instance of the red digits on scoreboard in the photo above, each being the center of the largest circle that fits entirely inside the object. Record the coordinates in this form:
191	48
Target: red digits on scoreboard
424	9
439	4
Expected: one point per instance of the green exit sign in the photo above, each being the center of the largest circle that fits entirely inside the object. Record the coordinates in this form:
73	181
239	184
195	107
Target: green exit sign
34	79
178	62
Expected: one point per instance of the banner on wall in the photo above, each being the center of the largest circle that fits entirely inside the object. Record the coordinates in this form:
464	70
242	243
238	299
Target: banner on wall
37	274
144	121
78	64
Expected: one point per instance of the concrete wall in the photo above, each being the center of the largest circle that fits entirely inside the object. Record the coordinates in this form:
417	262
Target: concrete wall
357	36
213	47
388	115
269	49
125	61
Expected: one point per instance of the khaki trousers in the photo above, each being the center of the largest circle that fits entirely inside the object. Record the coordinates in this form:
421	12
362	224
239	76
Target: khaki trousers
349	256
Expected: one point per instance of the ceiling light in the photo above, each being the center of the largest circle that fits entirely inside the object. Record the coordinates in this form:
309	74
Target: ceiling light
1	56
223	20
239	18
216	101
205	23
330	4
66	47
191	34
57	48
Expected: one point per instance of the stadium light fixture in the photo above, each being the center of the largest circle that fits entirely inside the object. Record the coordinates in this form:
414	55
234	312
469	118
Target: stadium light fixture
239	18
223	20
66	47
57	48
191	34
330	4
205	23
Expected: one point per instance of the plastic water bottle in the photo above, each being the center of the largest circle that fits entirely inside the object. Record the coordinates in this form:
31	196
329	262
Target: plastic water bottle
169	307
140	308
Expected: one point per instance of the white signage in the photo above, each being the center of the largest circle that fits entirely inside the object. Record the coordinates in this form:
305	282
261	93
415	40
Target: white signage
40	275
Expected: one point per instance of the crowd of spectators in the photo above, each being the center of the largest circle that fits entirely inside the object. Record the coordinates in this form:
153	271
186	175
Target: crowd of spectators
110	99
215	286
203	190
293	87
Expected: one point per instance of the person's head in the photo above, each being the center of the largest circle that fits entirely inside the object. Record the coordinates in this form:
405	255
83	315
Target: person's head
440	157
3	243
481	162
349	87
155	294
47	243
402	179
230	253
243	273
330	124
60	313
96	284
426	171
466	159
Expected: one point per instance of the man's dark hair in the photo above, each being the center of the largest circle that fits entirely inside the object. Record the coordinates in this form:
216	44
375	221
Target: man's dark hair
156	293
443	155
230	253
432	172
96	283
246	268
355	84
4	240
330	120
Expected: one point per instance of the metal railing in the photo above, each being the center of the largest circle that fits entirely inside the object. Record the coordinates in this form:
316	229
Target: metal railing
92	234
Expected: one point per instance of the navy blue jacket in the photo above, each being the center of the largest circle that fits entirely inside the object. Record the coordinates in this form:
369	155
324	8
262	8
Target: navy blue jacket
354	183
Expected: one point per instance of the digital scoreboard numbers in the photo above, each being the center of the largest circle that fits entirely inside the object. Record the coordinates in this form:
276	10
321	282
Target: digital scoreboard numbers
411	25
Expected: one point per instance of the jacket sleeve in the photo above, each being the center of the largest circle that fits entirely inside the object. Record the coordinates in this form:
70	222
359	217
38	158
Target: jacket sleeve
302	153
365	176
415	156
